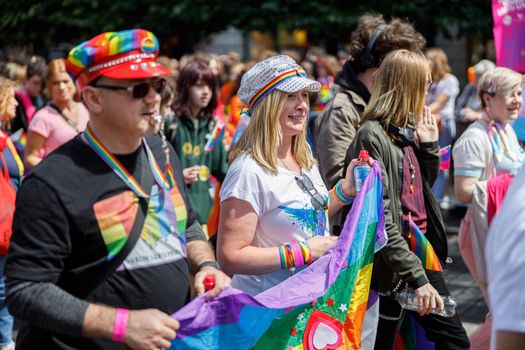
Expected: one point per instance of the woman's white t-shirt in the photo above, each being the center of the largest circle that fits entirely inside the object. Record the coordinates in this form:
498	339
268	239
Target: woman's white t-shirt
285	212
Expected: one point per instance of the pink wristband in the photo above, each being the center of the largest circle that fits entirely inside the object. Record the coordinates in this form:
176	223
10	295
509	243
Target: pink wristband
298	254
120	326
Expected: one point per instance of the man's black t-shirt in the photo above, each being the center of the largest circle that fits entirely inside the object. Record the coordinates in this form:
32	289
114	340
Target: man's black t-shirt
73	215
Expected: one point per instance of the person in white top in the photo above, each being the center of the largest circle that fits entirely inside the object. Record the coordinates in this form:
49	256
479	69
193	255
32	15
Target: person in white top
506	275
486	156
274	205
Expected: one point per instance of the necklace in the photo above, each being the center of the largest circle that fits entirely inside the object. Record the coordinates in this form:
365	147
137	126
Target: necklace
412	169
283	163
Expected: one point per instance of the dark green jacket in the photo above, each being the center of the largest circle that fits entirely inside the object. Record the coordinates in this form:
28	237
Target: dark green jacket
395	261
188	140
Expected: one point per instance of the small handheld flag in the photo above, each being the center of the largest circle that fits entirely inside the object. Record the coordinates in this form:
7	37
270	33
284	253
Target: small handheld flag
215	137
445	158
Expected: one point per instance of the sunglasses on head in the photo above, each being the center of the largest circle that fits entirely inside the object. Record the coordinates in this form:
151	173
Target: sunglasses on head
139	90
305	184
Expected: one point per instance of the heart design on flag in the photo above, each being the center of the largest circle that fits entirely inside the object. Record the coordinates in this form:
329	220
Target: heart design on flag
322	332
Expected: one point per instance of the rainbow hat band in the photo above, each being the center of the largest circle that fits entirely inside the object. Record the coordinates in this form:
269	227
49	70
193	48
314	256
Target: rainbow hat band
128	54
278	72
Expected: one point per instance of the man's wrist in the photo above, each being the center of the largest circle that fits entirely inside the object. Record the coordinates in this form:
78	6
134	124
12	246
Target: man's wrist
212	263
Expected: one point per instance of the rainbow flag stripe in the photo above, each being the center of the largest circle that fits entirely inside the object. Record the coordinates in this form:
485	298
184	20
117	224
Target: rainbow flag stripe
420	245
412	336
273	84
445	158
323	304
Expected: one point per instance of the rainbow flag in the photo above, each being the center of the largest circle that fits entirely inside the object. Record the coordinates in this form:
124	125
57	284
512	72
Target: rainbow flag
19	139
445	158
215	137
420	245
322	307
412	336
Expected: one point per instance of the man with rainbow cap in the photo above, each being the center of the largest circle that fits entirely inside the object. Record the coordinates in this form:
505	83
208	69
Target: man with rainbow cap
104	234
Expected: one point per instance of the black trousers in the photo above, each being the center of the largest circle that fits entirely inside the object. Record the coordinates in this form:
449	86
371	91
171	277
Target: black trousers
445	333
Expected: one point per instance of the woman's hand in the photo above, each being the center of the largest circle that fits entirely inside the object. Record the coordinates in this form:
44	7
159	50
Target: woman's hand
319	245
191	174
428	298
427	129
348	182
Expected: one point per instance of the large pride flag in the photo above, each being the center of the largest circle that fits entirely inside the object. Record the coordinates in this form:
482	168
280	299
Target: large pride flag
322	307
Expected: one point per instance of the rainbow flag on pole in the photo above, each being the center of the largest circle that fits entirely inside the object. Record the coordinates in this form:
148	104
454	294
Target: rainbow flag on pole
322	307
215	137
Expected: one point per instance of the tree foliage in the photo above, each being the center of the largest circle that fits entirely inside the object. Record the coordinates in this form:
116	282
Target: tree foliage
43	24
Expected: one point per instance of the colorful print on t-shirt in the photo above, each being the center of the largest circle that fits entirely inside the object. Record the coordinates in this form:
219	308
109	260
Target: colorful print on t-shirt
115	216
166	215
310	220
162	239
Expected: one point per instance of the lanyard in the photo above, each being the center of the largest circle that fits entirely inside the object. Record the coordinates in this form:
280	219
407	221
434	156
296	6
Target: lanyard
121	171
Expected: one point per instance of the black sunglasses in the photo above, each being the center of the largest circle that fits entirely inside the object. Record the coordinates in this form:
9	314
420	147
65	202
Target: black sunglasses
318	201
139	90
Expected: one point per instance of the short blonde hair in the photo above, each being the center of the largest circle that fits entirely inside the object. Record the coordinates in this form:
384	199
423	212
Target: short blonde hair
6	88
439	63
264	135
499	80
400	85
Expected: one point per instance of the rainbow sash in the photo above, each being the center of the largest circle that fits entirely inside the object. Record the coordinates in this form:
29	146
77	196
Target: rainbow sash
123	173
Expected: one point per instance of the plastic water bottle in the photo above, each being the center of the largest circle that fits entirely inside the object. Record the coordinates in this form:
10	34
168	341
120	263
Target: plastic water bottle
408	300
361	170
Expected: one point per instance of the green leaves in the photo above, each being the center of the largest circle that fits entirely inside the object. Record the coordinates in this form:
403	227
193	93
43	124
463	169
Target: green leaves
47	23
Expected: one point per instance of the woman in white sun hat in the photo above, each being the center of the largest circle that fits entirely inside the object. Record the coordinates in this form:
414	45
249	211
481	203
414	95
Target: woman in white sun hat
273	201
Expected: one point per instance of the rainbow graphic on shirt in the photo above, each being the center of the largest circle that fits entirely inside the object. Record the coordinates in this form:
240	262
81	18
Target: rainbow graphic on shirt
115	216
310	220
166	215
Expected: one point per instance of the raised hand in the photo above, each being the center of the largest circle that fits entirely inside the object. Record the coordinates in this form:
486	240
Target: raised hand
427	129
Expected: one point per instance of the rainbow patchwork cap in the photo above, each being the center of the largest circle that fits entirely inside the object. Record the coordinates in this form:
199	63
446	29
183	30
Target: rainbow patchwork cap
128	54
277	72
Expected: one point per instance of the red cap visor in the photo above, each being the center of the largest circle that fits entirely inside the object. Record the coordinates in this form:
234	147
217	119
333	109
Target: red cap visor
138	69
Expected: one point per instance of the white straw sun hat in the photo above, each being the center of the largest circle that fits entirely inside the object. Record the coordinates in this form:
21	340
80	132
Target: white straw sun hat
277	72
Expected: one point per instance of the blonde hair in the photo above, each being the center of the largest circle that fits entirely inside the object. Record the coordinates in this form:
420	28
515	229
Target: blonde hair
439	63
498	80
54	68
6	88
400	84
263	135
